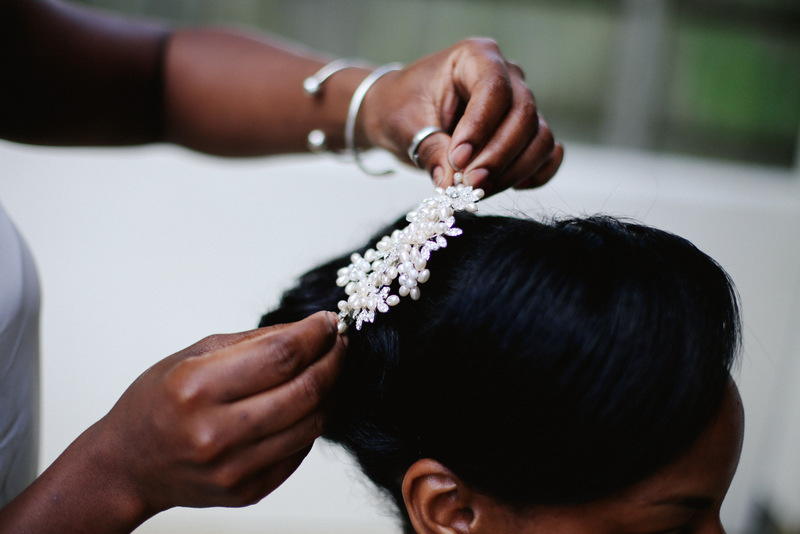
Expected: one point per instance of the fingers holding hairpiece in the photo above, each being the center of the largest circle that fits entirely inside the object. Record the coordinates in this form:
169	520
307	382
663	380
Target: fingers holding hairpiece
546	171
494	91
270	357
541	153
521	143
431	155
501	139
277	409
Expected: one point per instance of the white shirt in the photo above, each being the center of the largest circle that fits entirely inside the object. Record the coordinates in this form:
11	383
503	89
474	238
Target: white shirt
19	363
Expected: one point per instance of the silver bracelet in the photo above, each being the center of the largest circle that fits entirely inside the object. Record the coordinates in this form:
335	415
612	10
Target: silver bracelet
313	84
317	141
352	113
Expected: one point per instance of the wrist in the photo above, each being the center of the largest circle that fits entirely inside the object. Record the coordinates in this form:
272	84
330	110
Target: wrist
82	491
354	111
333	103
369	125
356	127
114	480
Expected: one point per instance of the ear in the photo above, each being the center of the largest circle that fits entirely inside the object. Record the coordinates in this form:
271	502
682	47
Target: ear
438	502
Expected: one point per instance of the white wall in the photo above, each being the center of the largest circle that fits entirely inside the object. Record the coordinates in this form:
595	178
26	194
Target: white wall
144	251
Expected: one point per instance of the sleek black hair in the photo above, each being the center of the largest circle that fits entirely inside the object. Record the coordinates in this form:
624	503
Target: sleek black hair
544	363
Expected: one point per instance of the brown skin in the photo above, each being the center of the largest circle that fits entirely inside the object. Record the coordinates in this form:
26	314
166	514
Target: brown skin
77	77
221	423
683	497
227	420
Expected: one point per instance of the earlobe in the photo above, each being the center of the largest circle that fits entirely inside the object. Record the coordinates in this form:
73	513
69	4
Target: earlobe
438	502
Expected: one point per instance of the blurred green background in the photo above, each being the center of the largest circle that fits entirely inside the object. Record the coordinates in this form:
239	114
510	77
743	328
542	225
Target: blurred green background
711	78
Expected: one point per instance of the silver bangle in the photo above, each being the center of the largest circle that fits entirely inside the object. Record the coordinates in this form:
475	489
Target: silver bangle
352	113
313	84
317	141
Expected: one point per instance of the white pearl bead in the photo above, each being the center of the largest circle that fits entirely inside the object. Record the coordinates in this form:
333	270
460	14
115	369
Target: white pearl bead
403	291
392	272
343	306
355	257
341	327
392	300
414	293
350	288
419	264
424	276
479	193
370	255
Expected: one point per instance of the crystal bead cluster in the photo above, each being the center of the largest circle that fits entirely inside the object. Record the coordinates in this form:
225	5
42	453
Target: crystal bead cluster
403	256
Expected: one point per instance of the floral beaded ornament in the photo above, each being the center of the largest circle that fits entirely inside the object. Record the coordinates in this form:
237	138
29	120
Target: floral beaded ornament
402	256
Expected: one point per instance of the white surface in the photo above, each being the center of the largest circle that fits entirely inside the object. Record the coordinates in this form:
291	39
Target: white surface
144	251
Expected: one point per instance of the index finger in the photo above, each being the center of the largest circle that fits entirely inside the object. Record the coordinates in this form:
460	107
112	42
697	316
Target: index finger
484	82
274	356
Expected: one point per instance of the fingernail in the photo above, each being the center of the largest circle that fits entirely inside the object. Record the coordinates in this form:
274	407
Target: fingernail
438	176
460	156
333	319
477	177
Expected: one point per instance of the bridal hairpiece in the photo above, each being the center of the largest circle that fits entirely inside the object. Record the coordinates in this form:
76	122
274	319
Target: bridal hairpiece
403	256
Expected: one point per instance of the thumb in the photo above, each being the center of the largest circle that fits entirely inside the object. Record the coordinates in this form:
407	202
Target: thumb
432	155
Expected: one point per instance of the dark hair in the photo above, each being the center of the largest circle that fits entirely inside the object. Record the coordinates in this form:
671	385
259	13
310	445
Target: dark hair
544	363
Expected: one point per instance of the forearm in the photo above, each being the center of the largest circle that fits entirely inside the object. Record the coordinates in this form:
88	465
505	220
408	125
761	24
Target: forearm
73	76
81	491
77	77
234	94
81	77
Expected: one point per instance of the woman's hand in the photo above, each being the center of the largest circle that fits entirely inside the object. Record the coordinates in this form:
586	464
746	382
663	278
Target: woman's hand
494	133
221	423
227	420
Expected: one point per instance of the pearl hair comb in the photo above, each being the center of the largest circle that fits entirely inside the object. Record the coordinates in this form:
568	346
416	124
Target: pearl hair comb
403	256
